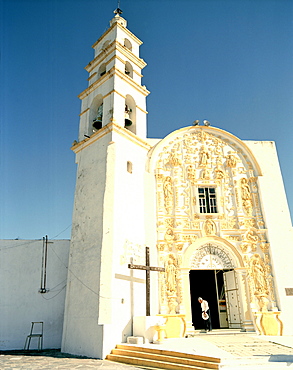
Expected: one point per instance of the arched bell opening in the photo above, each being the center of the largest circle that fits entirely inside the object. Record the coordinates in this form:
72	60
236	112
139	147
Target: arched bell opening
128	69
127	44
130	114
102	70
96	114
105	44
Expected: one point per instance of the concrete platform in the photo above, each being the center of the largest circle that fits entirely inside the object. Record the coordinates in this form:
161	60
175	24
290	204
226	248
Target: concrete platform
241	351
237	350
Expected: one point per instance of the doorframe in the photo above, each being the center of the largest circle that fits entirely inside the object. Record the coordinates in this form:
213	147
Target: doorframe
240	272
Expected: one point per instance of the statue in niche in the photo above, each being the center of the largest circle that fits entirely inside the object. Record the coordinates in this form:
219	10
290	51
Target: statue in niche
209	227
245	190
171	275
204	155
168	193
259	275
231	160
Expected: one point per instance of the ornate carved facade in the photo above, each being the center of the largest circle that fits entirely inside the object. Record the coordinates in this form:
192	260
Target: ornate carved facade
207	158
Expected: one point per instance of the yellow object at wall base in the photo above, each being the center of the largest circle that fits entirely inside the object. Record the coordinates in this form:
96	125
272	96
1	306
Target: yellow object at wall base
269	323
175	325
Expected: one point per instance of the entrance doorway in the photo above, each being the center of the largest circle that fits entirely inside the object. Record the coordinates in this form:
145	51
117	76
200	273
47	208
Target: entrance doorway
218	287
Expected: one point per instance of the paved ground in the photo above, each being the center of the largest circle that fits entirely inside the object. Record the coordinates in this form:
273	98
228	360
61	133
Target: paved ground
227	346
54	359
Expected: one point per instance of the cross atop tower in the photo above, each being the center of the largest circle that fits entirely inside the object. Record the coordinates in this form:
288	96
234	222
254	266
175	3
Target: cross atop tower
118	10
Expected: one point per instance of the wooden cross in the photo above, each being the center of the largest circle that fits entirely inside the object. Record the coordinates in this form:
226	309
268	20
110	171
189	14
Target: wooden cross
147	269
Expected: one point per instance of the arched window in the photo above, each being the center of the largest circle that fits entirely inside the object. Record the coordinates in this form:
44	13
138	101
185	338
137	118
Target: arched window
127	44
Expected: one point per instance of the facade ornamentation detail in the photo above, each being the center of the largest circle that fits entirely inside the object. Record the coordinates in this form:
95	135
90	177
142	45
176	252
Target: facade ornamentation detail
199	159
250	240
260	283
172	284
209	227
168	194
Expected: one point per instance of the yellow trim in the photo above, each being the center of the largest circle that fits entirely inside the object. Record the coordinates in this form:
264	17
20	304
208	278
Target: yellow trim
104	53
130	55
83	112
93	75
216	132
133	137
134	84
129	33
110	74
124	97
144	111
110	127
139	74
94	85
115	45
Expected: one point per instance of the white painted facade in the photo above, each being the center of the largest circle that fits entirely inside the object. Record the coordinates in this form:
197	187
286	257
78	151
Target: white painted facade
278	221
21	303
122	205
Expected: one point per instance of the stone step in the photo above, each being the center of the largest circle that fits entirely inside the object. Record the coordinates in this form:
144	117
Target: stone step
161	359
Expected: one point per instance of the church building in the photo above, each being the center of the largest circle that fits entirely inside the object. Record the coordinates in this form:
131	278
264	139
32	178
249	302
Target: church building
159	222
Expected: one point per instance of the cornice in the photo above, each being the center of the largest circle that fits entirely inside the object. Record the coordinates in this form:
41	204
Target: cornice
129	33
115	45
110	127
114	71
91	76
84	111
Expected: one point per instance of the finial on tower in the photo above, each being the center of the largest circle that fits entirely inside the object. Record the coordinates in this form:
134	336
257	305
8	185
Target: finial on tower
118	11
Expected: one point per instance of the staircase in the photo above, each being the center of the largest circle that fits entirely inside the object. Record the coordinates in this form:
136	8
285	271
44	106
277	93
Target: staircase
152	358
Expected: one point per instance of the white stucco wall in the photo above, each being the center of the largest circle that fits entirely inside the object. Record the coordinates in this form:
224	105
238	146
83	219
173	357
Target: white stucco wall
20	300
278	223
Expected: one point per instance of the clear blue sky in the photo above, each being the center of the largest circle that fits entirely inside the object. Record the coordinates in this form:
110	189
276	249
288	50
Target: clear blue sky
230	62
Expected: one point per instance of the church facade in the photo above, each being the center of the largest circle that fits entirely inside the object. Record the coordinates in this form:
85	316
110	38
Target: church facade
210	207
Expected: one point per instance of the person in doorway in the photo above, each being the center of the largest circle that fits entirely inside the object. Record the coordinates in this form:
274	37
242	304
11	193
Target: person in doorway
206	315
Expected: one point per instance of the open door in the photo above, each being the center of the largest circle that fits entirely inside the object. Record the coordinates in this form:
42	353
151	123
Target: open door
232	300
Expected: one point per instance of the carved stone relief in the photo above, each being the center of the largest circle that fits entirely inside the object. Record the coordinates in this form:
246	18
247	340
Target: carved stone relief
200	159
211	256
171	284
258	275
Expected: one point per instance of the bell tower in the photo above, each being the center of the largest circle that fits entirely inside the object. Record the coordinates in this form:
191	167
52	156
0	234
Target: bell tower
115	94
109	215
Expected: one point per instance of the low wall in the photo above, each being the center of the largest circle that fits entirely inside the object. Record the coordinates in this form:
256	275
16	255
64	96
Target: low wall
20	300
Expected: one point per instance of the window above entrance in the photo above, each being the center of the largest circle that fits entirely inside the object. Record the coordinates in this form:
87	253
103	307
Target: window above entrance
207	200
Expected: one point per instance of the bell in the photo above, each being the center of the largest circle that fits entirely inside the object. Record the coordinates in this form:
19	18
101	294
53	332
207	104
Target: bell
97	124
128	122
